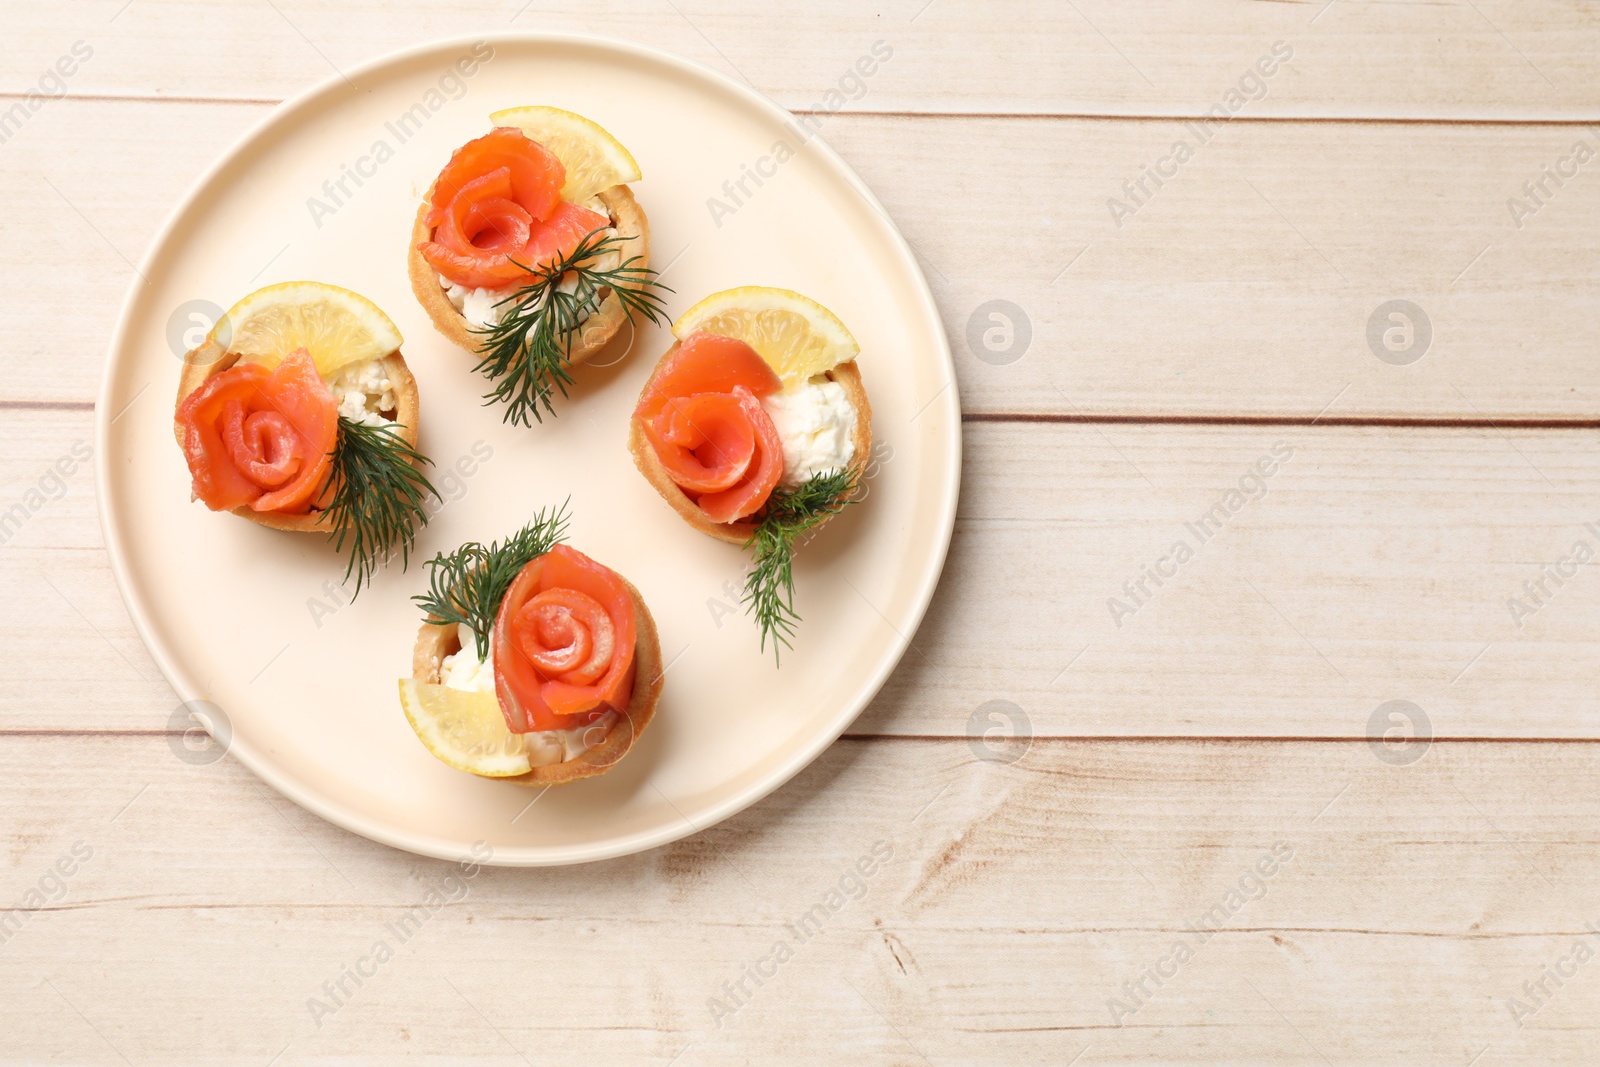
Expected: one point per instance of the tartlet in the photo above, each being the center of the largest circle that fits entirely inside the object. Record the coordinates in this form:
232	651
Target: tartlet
209	359
435	642
847	375
529	252
563	674
299	413
756	429
627	218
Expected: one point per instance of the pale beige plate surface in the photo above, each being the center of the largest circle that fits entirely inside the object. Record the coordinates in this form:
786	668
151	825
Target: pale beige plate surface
251	619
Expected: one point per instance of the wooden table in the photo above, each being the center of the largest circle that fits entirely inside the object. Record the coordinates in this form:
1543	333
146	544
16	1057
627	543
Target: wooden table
1223	843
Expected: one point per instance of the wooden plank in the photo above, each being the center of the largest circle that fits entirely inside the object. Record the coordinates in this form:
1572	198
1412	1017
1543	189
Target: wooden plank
1486	59
1373	564
1239	289
1379	565
1021	896
1017	901
79	232
1245	286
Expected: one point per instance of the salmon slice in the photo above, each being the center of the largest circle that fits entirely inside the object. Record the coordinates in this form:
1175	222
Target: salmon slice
484	218
702	414
564	643
705	441
487	243
559	234
261	439
707	363
747	495
495	213
536	173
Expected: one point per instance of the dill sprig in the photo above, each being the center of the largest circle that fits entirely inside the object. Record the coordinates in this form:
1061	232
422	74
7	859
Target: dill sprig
790	515
525	353
378	496
467	585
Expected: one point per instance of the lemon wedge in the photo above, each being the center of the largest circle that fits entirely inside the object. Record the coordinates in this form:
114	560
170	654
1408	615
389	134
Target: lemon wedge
335	325
798	337
464	729
594	159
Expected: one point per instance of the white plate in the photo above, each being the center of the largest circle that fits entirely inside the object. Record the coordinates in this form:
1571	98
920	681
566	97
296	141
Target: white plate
229	609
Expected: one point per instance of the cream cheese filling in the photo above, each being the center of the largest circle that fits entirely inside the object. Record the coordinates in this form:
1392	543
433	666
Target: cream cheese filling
817	424
365	393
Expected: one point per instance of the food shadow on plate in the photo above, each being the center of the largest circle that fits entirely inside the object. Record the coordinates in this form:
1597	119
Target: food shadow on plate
841	536
635	343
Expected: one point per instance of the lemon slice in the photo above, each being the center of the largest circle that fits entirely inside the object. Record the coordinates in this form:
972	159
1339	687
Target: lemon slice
798	337
335	325
464	729
594	159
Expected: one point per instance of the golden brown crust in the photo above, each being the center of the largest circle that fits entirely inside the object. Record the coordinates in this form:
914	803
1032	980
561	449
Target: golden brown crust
848	375
597	330
201	363
435	642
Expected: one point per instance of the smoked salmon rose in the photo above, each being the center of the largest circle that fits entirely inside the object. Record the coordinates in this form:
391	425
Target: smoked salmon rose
756	429
535	665
498	213
564	643
261	439
298	412
529	251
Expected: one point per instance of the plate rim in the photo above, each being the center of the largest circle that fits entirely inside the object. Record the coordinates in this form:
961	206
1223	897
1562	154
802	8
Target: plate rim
262	765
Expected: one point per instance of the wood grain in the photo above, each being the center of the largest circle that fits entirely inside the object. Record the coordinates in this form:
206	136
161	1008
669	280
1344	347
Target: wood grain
1378	565
1486	59
1243	288
1429	893
1018	900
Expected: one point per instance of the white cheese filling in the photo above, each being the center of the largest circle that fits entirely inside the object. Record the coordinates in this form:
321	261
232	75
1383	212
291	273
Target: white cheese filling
477	306
364	392
817	425
465	670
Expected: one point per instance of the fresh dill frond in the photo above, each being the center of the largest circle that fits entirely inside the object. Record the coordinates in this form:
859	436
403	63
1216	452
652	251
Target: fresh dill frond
467	585
378	496
790	515
525	353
